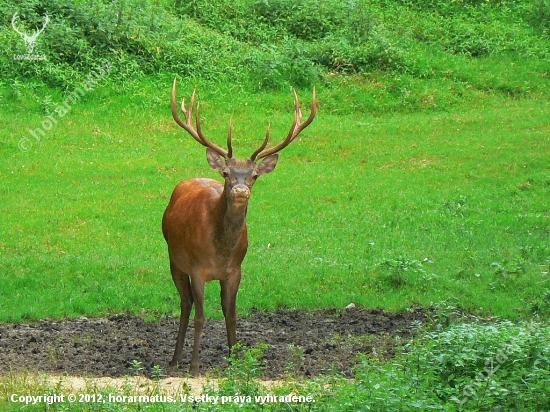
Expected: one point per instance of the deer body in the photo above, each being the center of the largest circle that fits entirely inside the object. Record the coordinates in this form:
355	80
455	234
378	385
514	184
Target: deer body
205	229
198	256
195	203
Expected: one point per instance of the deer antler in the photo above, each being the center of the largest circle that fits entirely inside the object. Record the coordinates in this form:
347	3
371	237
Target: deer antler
188	127
295	130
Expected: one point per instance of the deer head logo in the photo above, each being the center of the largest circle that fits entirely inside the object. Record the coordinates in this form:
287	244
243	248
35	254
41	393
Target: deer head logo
30	40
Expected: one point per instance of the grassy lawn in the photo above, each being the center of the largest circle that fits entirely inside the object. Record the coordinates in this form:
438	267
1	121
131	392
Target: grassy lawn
384	211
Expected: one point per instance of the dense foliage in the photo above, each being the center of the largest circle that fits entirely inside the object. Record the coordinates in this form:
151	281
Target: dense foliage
263	43
460	367
469	366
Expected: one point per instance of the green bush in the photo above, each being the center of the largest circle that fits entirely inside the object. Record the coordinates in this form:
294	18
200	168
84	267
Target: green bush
306	20
244	370
539	16
500	366
261	43
135	36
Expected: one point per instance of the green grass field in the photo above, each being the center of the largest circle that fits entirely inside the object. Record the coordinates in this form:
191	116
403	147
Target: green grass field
384	211
424	180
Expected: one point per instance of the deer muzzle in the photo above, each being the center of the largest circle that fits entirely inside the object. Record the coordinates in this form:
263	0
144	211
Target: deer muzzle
240	193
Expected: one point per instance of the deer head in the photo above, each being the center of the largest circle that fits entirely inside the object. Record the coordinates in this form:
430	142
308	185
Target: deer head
240	175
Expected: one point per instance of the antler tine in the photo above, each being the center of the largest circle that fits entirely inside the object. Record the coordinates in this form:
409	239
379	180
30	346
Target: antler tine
198	122
229	146
187	126
295	129
189	112
297	118
264	144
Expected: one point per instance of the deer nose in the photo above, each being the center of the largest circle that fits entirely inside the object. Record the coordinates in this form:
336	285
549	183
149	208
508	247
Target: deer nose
240	192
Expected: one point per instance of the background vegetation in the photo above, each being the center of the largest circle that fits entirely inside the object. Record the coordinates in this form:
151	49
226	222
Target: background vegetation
265	44
424	180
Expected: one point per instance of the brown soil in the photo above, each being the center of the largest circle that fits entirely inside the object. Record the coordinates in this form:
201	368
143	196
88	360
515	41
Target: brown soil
324	341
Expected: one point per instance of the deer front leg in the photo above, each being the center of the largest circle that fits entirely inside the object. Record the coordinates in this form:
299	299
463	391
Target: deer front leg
229	289
181	280
197	286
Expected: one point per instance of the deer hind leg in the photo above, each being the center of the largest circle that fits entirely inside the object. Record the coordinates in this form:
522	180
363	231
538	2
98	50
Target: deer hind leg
181	280
197	287
229	289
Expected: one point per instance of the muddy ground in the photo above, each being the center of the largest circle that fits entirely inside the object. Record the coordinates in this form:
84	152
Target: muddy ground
324	341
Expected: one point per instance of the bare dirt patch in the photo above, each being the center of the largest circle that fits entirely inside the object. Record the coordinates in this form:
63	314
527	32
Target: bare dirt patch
302	343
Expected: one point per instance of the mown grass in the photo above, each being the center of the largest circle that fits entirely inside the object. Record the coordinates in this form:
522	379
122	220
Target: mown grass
384	211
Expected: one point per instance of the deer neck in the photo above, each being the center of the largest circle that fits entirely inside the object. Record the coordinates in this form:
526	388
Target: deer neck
230	225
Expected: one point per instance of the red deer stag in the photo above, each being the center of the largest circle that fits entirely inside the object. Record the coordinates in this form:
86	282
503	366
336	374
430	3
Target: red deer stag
204	224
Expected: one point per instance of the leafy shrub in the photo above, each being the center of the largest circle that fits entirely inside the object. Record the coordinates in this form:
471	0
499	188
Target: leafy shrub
539	16
474	28
540	305
301	39
262	43
307	20
290	63
135	36
467	367
244	370
402	272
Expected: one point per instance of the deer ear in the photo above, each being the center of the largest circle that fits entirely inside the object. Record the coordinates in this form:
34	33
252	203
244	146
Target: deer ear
267	164
215	161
